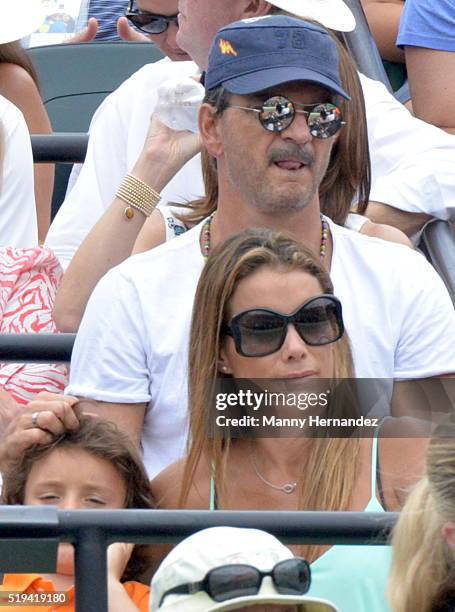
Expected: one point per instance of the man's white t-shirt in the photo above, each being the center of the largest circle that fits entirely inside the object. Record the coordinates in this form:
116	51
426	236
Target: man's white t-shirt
18	224
413	163
132	345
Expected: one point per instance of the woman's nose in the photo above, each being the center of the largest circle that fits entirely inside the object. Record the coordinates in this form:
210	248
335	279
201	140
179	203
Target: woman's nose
294	346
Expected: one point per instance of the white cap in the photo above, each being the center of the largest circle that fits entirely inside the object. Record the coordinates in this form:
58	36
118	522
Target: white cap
20	18
190	561
332	14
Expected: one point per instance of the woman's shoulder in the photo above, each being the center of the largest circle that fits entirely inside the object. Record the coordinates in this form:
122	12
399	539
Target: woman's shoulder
18	86
168	485
15	81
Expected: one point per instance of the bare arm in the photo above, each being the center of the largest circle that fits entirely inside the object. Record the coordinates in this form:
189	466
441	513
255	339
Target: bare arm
50	414
408	223
18	87
386	232
129	418
119	600
118	556
152	233
384	19
112	239
431	85
403	445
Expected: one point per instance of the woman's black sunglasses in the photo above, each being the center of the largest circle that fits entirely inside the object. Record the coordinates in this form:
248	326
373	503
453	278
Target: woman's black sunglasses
149	23
259	332
290	577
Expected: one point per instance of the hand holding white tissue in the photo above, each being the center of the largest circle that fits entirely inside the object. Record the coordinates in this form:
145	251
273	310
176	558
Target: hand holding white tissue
178	105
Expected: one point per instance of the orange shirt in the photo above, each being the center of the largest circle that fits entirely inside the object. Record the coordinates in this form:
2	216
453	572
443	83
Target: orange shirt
32	583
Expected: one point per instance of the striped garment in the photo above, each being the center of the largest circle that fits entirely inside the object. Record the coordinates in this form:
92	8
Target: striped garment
29	279
107	13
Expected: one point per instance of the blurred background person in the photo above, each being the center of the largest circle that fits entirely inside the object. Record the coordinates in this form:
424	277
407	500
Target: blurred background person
19	84
384	20
18	225
427	33
152	21
423	567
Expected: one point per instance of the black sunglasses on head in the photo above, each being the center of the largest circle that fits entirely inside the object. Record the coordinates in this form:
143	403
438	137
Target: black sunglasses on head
259	332
149	23
290	577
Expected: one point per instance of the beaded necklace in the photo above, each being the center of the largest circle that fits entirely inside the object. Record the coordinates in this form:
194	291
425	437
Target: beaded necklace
206	234
205	237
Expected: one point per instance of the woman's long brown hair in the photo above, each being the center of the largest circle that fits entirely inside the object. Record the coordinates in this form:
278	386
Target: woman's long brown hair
422	575
331	462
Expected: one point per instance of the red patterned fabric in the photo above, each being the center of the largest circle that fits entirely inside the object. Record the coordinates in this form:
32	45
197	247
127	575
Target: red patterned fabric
29	279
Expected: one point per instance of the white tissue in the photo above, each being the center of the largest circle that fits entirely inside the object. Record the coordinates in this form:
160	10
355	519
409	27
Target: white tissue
178	103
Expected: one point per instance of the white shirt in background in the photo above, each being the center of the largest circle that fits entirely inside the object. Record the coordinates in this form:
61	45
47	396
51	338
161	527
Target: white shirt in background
18	224
412	162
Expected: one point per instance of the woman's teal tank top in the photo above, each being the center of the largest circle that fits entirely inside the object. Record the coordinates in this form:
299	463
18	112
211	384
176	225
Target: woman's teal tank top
354	578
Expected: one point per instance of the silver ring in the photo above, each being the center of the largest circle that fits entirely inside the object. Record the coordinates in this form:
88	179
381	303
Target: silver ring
35	416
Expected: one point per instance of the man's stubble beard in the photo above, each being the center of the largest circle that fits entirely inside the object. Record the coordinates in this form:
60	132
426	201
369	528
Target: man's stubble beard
268	201
263	198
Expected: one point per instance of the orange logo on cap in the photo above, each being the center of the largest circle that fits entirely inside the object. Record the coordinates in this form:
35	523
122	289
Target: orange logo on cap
226	48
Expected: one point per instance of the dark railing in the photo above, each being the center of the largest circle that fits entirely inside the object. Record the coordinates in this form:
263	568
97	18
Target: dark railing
62	148
91	531
36	348
438	241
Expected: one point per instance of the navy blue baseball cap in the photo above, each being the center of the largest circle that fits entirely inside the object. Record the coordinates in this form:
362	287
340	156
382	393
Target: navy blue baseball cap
256	54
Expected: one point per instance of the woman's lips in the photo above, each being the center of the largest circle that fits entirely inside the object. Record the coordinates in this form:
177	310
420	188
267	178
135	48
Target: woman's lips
301	374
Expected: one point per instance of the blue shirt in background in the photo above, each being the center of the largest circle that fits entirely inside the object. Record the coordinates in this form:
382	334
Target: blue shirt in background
429	24
107	13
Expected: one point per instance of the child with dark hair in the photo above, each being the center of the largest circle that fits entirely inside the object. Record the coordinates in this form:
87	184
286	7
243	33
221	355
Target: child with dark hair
93	466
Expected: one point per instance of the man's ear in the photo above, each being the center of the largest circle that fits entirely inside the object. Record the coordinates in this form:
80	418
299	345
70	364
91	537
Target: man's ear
255	8
209	130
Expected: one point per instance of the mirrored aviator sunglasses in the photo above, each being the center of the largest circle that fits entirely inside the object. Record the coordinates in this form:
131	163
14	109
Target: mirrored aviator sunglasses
259	332
278	112
149	23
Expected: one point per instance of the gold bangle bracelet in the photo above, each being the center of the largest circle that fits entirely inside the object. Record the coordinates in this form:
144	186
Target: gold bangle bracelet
138	196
